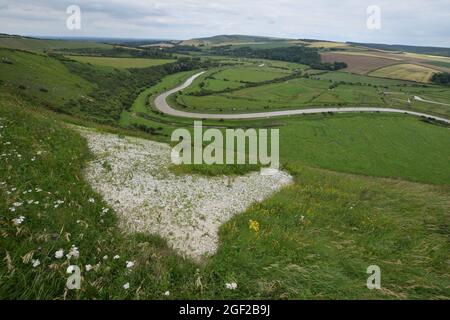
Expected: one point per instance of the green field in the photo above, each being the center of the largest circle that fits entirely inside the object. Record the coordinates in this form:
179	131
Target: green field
251	74
291	94
376	145
121	63
324	89
360	79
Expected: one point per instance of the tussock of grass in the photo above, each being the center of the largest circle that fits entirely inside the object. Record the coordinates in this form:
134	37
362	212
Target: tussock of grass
215	170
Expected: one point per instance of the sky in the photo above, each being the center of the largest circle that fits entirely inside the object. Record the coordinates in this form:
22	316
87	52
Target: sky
414	22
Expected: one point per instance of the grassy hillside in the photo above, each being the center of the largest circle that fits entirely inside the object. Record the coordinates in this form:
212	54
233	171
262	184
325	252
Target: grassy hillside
97	93
228	39
41	179
32	44
40	78
315	239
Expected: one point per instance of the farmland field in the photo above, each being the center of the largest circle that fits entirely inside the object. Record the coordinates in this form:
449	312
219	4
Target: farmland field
405	72
326	44
358	63
322	89
356	78
121	63
248	74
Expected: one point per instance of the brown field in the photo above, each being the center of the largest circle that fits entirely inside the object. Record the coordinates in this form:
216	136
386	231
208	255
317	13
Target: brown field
361	64
402	57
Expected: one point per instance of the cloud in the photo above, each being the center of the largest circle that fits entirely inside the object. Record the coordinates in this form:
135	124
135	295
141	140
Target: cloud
403	21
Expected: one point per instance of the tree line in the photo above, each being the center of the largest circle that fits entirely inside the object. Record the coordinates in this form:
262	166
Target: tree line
441	78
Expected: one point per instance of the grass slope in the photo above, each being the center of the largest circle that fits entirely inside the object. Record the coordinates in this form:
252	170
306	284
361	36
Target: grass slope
376	145
40	78
314	240
32	44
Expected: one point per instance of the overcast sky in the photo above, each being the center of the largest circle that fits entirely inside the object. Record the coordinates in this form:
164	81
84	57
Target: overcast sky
417	22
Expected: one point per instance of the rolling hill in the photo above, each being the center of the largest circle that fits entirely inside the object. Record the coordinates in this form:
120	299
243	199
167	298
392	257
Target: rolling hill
229	39
34	44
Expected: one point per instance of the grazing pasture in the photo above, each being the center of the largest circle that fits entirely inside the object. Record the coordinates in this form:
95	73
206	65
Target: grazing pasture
359	79
251	74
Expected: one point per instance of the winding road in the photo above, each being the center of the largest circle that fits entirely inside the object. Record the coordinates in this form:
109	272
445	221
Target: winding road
162	105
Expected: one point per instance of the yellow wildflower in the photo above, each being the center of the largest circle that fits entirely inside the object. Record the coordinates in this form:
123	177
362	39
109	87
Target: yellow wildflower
254	225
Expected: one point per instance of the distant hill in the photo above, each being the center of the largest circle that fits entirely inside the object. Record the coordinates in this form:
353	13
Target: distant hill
229	39
435	51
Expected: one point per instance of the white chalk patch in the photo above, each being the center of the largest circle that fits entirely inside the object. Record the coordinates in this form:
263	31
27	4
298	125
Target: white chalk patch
186	210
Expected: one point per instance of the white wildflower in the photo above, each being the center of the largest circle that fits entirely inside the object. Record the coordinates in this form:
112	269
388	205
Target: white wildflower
126	286
91	200
35	263
231	286
59	254
89	267
73	253
18	221
167	293
130	264
117	257
105	258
